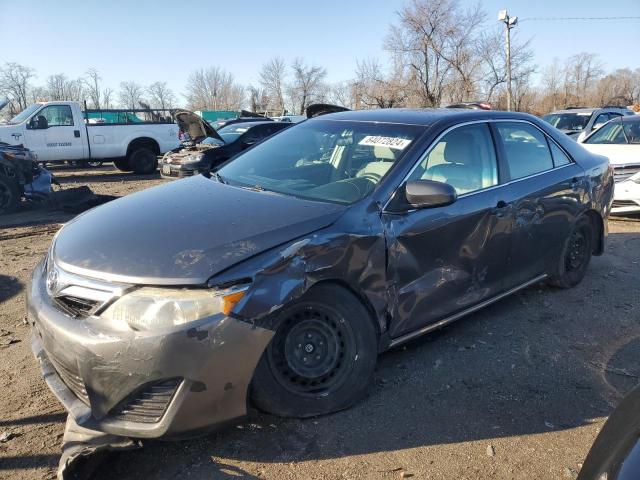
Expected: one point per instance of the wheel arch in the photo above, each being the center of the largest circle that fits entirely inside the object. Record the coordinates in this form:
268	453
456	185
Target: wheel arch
143	142
373	317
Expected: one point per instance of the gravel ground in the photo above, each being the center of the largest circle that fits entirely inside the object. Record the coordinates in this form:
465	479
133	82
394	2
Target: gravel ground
518	390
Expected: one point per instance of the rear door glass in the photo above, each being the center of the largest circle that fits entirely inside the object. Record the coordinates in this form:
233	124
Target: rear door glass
526	149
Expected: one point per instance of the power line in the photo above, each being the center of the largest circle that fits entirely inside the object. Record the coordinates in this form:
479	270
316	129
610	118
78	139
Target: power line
580	18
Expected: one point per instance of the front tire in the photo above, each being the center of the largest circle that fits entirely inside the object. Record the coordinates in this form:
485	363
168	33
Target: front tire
321	358
576	255
143	160
122	164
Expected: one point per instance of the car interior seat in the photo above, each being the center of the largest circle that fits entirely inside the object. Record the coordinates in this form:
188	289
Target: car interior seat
462	167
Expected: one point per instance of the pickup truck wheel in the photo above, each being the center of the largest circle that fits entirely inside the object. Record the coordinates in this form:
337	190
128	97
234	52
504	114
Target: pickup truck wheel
321	358
143	160
122	164
9	195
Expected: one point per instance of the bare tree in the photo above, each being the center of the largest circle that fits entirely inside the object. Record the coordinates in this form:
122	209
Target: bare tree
214	89
307	86
58	87
106	97
130	94
161	95
435	39
15	81
92	83
272	78
374	88
493	69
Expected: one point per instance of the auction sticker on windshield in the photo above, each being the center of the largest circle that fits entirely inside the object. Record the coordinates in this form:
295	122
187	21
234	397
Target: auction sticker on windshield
389	142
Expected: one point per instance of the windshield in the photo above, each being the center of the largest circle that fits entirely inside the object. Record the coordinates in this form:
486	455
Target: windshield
23	115
324	160
568	121
617	132
232	132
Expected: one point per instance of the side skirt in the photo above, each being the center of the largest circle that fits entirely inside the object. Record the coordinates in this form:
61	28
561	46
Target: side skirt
445	321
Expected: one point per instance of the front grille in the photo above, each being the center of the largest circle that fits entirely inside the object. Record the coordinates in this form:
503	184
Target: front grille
71	380
76	306
622	172
149	404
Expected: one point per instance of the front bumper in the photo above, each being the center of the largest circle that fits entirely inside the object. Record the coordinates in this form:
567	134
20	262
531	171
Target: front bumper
626	197
144	384
170	170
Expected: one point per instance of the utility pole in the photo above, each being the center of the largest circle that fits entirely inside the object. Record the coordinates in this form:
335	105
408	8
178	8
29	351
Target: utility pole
509	22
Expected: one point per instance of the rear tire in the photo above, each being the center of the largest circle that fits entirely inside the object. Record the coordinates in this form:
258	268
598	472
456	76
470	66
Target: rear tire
321	358
143	160
122	164
9	195
576	255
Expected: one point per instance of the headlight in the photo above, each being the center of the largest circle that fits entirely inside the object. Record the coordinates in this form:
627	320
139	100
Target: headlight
191	159
149	308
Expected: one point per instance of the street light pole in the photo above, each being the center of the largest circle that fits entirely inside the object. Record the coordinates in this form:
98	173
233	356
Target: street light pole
509	23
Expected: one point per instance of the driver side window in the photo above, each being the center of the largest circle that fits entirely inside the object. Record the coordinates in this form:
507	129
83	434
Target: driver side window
57	115
464	158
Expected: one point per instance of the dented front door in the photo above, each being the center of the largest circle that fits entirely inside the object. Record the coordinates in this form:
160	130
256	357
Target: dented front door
446	259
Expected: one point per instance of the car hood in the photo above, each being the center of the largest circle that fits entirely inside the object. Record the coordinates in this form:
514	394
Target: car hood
195	126
617	154
184	232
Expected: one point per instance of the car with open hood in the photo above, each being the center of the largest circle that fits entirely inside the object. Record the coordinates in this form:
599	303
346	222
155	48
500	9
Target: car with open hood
294	264
209	148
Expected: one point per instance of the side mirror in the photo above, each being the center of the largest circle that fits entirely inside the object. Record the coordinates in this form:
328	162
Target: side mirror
39	122
428	193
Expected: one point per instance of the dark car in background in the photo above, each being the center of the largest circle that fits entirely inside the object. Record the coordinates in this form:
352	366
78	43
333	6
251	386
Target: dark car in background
293	265
577	123
217	148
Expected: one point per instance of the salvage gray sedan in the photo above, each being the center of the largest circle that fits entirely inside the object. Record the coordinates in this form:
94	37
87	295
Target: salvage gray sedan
277	279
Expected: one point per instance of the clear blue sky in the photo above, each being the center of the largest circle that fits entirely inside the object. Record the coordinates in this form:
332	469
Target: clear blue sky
146	40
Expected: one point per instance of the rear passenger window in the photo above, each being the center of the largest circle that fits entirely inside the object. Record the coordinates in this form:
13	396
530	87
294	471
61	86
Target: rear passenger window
559	157
525	148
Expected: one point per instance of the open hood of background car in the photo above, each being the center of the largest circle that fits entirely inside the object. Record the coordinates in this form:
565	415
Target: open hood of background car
318	109
617	154
197	128
184	232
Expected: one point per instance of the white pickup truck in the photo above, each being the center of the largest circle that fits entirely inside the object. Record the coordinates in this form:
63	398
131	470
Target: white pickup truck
60	131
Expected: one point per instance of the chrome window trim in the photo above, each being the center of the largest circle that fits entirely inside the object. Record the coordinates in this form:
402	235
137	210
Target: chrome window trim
492	187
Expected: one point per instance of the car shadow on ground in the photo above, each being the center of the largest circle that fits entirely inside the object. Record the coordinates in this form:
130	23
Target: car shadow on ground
110	176
9	287
542	360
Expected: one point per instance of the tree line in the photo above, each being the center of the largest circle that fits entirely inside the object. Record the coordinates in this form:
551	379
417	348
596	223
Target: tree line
437	52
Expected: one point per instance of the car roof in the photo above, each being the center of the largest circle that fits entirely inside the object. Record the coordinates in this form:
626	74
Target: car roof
629	118
425	116
589	110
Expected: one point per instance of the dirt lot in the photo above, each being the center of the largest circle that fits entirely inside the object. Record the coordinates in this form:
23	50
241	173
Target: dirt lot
518	390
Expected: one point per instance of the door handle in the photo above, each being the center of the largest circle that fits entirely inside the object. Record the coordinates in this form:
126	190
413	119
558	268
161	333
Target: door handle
76	133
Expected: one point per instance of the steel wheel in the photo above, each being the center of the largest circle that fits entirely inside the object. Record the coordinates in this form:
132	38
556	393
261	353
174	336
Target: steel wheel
321	358
308	354
575	257
577	251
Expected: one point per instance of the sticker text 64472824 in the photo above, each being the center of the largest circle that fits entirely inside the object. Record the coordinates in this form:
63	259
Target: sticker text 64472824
389	142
